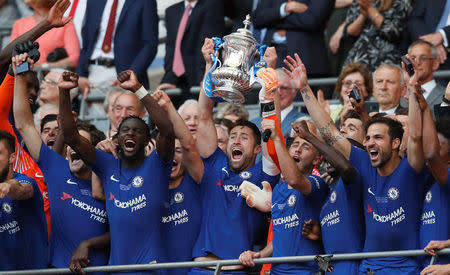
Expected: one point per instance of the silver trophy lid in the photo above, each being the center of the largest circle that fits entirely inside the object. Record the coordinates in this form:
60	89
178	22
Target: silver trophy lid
244	32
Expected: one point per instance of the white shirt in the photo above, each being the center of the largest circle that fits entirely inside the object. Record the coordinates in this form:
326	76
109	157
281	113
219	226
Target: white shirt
286	111
193	3
78	17
428	87
98	52
389	111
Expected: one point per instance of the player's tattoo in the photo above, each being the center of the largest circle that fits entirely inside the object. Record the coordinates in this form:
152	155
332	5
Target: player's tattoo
305	94
326	133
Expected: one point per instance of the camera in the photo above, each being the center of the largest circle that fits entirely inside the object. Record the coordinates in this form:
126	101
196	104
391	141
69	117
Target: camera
355	94
409	66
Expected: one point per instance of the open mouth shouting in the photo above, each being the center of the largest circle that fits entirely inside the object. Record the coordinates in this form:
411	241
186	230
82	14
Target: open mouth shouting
75	158
236	154
50	142
374	154
129	145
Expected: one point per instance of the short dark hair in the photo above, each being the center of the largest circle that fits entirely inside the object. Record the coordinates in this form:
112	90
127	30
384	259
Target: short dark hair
395	128
147	128
443	127
9	141
289	141
252	126
351	114
48	118
96	135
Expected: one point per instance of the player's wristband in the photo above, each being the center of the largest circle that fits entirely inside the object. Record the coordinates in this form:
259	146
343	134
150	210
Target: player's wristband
141	93
267	109
444	99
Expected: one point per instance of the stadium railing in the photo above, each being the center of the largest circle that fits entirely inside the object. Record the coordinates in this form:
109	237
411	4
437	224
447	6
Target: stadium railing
219	264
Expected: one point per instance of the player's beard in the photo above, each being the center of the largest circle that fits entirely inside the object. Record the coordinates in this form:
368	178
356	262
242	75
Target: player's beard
4	174
385	156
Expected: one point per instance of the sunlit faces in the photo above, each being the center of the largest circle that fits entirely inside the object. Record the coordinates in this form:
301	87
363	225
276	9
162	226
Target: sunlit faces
222	138
190	116
76	165
177	167
426	63
379	145
49	88
132	137
388	88
351	81
49	132
242	148
305	155
353	128
125	105
286	90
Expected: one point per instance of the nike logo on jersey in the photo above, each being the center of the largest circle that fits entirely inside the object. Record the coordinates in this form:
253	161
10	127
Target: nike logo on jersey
113	178
69	181
37	175
225	170
370	191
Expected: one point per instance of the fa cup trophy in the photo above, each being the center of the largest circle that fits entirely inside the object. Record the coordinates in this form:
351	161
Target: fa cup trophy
232	75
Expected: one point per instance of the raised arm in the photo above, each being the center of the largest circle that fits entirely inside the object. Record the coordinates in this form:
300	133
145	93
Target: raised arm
79	144
54	19
15	190
206	132
22	113
191	157
414	148
322	120
334	157
166	138
289	169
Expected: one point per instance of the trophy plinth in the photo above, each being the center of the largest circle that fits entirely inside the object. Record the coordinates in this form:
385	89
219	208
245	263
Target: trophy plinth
239	50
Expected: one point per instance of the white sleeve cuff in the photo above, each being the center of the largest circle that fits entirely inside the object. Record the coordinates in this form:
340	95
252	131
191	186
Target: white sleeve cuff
269	167
443	104
283	12
444	37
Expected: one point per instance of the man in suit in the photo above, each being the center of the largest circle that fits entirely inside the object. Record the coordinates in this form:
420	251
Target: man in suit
388	88
287	95
118	35
426	55
205	18
296	27
428	21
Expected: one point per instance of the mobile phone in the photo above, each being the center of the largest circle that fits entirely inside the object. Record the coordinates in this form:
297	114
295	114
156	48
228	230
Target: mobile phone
23	68
355	94
409	66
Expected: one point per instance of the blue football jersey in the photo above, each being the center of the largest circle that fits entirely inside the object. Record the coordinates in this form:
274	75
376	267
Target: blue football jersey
290	209
342	223
228	223
435	219
181	221
135	204
23	230
71	205
392	207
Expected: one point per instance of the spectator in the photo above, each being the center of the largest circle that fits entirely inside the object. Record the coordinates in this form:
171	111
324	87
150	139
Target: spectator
189	112
49	91
232	112
378	27
126	104
426	55
149	176
222	137
388	88
76	10
108	106
24	243
428	21
398	213
296	27
431	249
129	43
353	75
64	37
287	93
188	23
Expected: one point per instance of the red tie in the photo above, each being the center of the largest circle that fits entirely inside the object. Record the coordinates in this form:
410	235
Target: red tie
74	7
178	64
106	46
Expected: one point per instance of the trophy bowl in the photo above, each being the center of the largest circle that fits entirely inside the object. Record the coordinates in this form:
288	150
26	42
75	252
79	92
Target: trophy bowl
232	79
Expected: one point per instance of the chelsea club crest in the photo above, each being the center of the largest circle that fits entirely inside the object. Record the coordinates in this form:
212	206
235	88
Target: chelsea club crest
178	197
245	175
137	181
428	196
393	193
333	197
6	208
291	200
